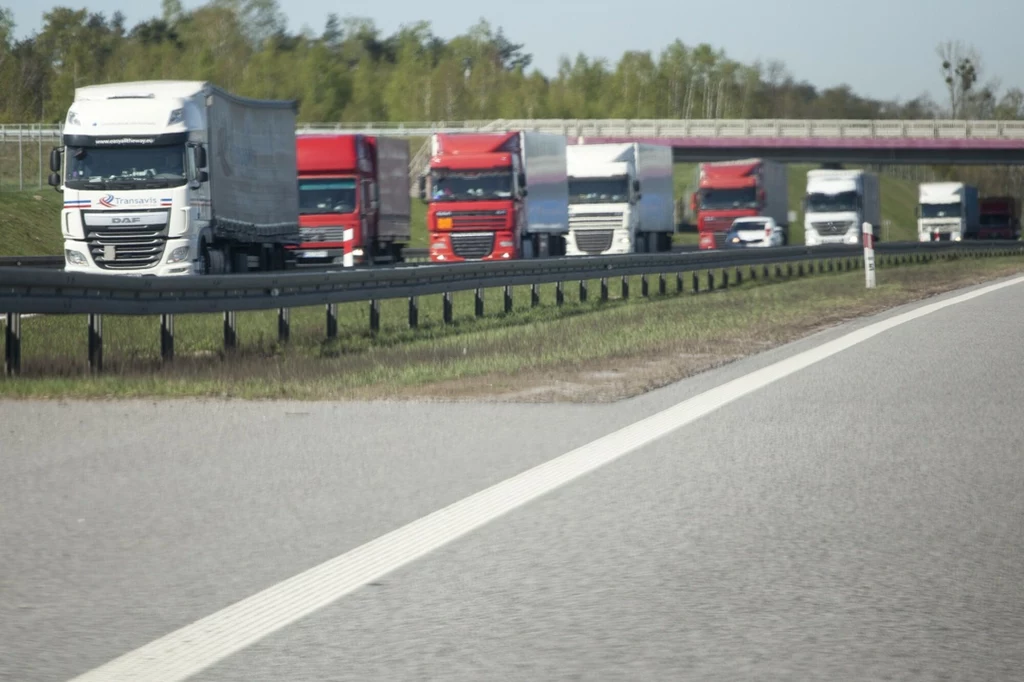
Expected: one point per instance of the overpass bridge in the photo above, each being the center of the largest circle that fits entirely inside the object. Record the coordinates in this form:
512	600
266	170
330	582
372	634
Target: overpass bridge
880	141
808	141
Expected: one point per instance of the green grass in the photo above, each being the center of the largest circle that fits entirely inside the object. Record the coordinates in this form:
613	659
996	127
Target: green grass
899	199
30	223
649	342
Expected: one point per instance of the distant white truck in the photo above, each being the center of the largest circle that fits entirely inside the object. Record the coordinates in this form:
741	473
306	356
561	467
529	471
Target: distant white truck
947	211
620	198
837	203
166	178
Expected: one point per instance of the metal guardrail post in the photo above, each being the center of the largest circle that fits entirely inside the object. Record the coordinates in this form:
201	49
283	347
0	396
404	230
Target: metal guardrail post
679	282
12	344
725	278
374	316
332	320
414	312
711	280
739	277
447	305
583	291
534	295
625	287
95	343
284	325
167	337
478	302
230	330
508	298
695	288
559	293
644	287
604	288
662	285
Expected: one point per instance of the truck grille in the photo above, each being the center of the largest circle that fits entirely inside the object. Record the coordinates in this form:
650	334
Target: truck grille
472	245
322	234
604	221
593	241
831	227
135	243
488	220
720	240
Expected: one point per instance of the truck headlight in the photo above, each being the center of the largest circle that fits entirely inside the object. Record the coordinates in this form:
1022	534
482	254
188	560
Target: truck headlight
178	255
74	257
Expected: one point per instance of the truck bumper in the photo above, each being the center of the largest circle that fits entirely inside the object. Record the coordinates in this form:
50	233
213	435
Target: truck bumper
471	246
177	260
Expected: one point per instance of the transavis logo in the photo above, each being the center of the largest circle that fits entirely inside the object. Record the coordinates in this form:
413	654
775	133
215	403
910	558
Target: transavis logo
113	201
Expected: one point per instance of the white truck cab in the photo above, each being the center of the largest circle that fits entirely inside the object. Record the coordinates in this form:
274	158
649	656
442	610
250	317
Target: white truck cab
620	198
837	203
947	211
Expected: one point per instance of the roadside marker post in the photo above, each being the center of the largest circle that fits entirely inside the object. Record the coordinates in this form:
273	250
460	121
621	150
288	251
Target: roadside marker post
869	255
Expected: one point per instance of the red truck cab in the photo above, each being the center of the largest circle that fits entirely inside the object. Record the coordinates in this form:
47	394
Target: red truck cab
473	197
999	218
738	189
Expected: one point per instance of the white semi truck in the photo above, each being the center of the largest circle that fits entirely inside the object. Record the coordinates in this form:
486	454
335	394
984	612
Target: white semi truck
837	203
947	211
620	198
166	178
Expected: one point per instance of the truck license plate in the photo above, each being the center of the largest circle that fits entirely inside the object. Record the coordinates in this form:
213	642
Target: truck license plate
314	254
109	252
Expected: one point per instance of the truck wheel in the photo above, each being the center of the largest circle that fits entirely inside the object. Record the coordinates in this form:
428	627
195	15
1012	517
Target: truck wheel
666	241
640	242
652	242
528	251
216	263
239	262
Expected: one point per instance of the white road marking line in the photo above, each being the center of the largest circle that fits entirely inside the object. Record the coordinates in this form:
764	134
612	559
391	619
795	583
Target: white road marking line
195	647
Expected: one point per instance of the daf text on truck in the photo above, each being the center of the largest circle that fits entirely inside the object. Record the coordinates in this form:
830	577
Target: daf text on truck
354	203
620	198
737	189
999	218
496	196
165	178
837	203
947	211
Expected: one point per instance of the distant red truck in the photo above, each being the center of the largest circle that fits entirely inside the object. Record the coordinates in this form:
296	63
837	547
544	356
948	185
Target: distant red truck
738	189
1000	218
354	199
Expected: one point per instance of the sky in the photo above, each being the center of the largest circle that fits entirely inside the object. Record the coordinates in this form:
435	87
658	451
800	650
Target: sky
881	48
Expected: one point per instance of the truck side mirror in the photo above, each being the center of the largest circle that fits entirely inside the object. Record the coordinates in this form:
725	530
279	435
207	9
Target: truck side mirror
55	159
636	186
201	157
522	180
54	181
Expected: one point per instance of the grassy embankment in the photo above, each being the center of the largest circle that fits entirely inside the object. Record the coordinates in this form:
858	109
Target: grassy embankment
899	199
581	351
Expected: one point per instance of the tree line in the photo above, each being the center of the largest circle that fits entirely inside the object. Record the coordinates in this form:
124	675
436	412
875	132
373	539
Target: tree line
350	71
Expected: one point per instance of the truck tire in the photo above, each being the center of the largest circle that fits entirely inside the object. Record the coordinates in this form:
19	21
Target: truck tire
529	252
640	242
666	241
216	263
239	261
652	242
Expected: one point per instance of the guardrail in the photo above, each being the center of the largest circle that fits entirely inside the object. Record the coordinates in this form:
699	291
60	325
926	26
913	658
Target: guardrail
719	127
411	256
40	291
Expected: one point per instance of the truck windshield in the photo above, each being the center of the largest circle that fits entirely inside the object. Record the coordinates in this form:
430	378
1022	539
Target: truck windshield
469	185
129	167
831	203
718	199
940	210
598	190
327	196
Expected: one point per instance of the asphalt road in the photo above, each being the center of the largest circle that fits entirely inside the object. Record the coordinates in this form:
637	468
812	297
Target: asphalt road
861	519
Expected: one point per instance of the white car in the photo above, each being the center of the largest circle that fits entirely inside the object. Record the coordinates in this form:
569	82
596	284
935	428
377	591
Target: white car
755	231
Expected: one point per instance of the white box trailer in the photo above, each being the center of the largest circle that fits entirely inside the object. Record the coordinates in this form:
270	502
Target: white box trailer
176	178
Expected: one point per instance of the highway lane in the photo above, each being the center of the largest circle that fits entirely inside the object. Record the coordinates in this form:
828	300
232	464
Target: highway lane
725	550
887	542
